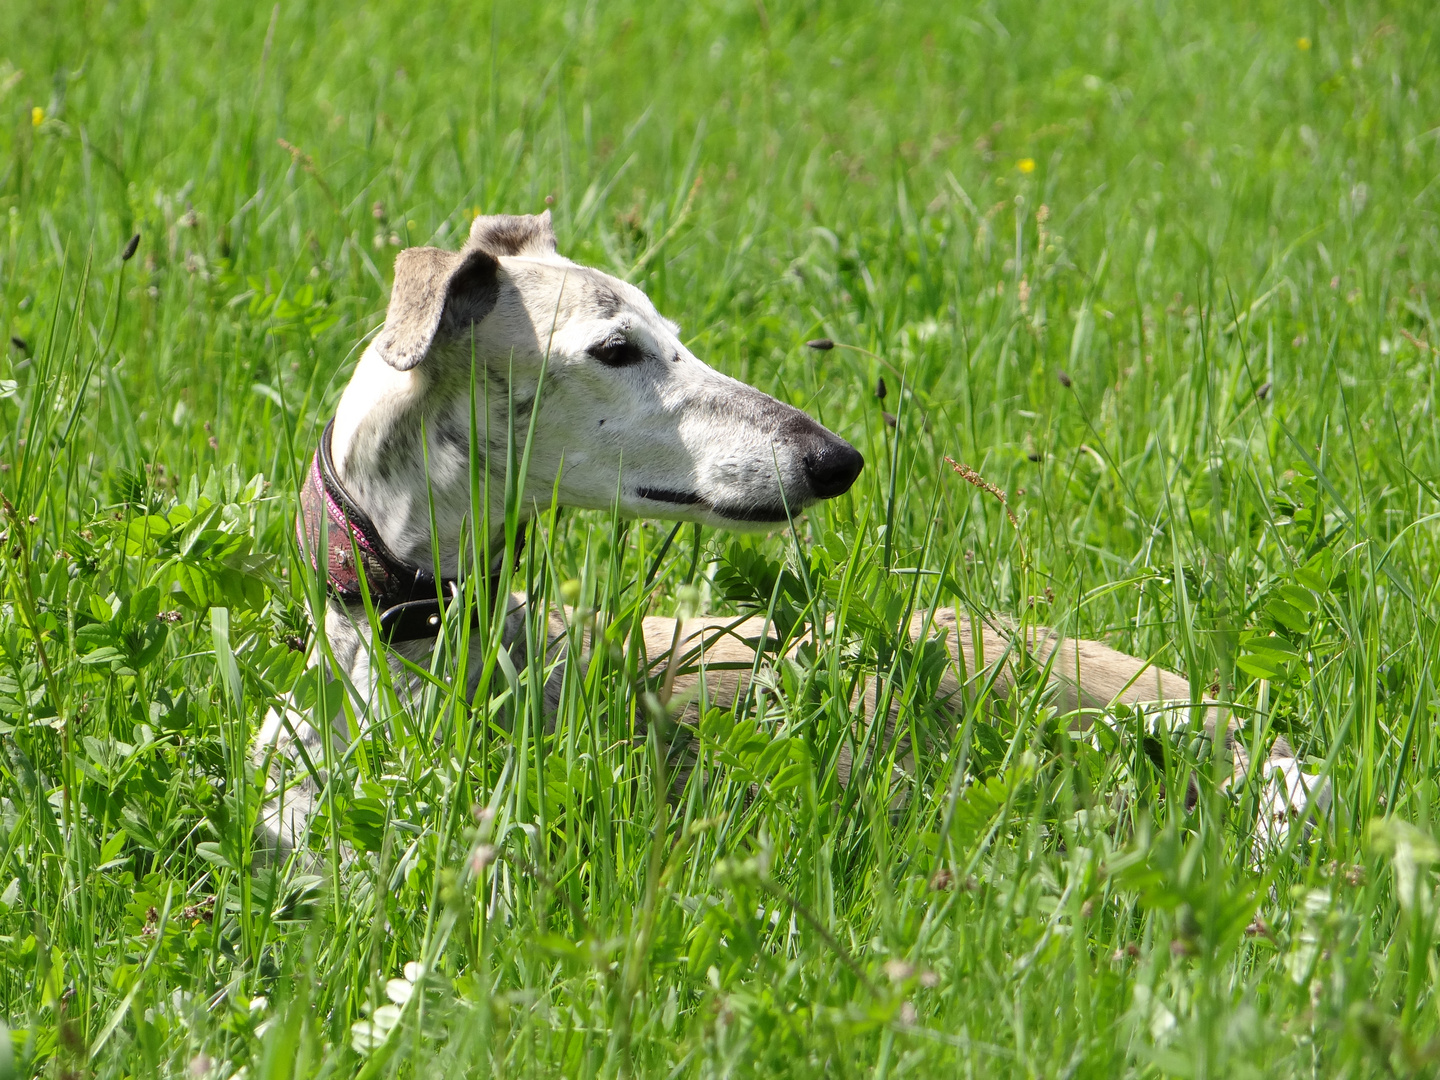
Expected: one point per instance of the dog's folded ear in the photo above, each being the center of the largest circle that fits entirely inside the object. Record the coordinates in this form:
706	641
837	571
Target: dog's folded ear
437	295
513	234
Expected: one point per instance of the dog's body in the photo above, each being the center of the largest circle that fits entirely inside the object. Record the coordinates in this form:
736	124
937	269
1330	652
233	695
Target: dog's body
626	415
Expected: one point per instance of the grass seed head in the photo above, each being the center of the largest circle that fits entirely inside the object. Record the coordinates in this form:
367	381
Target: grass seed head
898	970
821	344
974	479
481	857
129	252
570	591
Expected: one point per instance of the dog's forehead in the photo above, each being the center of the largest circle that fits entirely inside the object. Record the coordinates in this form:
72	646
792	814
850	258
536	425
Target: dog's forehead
581	294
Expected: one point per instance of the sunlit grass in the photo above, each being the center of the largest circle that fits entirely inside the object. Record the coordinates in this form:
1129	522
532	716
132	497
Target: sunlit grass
1165	278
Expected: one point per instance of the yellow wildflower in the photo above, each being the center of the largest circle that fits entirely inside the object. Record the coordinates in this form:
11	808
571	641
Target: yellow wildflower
37	116
1303	44
1026	165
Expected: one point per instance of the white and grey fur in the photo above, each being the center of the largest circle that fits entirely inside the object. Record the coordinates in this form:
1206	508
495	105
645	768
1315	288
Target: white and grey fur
627	413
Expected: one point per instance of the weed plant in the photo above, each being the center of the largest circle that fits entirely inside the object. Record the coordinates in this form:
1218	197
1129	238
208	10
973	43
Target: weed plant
1163	275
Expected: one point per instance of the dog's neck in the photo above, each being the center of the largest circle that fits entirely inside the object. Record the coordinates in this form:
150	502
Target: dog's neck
401	448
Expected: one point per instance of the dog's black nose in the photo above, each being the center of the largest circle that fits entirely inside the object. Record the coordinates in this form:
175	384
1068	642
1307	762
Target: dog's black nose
832	467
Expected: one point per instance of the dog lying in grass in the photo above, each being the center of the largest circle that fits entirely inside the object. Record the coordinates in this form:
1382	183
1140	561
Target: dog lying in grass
505	335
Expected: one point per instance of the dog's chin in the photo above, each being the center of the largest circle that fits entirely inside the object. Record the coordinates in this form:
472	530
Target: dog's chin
692	506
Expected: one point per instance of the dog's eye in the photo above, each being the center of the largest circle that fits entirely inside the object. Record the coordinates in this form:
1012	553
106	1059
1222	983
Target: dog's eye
618	353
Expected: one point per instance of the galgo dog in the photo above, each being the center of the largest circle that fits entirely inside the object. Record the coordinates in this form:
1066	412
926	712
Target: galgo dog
626	413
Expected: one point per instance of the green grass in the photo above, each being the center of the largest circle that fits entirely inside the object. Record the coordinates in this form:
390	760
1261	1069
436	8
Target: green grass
1166	276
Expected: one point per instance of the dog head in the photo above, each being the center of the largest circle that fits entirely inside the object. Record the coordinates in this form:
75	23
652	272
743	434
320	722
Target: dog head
626	411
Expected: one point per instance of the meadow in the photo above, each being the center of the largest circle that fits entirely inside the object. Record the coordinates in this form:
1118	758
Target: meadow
1165	275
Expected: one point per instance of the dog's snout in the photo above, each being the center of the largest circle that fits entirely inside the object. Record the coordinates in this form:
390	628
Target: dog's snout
832	466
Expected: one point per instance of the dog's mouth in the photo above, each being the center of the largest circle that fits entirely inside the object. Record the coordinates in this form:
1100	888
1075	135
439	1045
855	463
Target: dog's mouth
755	513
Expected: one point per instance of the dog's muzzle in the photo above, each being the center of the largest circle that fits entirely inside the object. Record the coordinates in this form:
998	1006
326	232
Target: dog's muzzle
788	462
